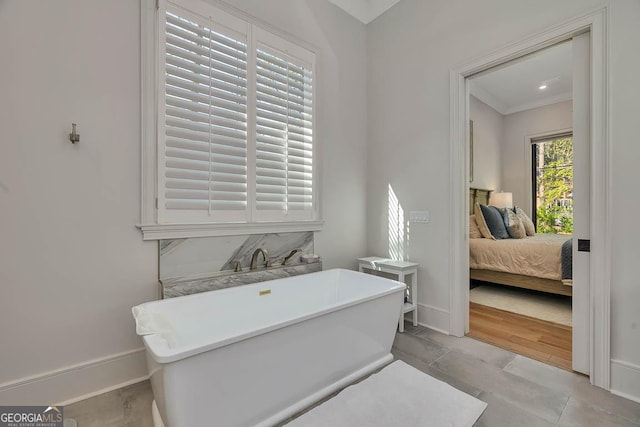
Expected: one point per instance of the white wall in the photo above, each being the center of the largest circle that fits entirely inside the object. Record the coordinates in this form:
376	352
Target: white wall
487	145
516	145
72	263
625	174
411	49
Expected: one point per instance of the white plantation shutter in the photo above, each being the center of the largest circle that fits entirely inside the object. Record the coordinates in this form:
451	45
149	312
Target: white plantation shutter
235	120
284	135
205	121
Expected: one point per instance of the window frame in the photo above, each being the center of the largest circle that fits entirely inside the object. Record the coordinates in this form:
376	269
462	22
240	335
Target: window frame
546	137
152	14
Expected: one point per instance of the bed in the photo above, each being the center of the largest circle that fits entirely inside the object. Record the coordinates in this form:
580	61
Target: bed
535	262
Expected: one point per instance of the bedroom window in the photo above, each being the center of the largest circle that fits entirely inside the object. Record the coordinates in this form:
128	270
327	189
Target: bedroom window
235	121
552	178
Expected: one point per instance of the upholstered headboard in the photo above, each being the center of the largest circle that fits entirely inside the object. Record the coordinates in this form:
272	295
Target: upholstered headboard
478	195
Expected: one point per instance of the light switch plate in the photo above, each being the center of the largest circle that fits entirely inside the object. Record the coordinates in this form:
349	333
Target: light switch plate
419	216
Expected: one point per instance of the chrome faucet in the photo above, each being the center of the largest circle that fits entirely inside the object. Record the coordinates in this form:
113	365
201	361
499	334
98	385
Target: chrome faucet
237	266
254	258
288	257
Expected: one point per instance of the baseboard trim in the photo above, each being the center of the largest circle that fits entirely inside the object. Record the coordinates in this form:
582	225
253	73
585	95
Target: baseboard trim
625	395
433	328
625	380
433	318
76	382
102	391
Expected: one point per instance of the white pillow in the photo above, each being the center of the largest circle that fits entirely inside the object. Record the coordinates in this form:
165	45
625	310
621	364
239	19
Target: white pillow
526	221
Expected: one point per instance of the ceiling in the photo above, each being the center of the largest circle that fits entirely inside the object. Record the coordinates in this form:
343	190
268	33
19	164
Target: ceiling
365	10
515	87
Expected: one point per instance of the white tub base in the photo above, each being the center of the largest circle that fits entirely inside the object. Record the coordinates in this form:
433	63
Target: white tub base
319	395
296	341
305	402
155	414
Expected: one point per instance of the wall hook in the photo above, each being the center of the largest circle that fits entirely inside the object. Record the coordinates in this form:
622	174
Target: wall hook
74	136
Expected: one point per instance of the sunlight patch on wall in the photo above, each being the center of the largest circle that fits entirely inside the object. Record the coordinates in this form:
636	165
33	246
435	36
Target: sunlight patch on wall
398	232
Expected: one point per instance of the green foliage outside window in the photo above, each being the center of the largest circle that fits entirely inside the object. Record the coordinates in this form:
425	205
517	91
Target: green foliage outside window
554	186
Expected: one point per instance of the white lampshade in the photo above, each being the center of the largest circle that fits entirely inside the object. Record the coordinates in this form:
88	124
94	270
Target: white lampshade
501	200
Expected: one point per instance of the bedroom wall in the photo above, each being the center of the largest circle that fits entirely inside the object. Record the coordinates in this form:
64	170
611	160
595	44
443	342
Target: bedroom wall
72	263
516	146
410	51
487	145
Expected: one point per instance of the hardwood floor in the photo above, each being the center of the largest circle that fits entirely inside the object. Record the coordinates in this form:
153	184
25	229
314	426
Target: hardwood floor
538	339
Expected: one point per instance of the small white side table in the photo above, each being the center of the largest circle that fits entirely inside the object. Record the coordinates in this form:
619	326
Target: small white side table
402	269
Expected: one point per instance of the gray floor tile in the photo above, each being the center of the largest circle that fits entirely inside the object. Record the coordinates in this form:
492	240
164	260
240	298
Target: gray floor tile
548	375
575	385
500	413
578	413
410	329
126	407
137	405
436	373
538	400
486	352
427	351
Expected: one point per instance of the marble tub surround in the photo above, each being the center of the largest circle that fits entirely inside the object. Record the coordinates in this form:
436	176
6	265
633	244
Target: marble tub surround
210	256
278	245
186	286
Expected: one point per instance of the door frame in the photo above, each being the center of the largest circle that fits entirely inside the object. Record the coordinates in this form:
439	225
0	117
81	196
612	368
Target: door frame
595	22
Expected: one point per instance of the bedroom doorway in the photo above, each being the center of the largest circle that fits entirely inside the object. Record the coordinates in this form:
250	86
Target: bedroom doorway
595	300
578	336
519	292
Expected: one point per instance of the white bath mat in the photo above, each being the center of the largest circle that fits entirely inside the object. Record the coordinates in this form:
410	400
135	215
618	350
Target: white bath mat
398	395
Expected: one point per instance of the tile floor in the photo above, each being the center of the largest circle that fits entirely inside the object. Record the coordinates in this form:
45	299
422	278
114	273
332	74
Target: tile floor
519	391
126	407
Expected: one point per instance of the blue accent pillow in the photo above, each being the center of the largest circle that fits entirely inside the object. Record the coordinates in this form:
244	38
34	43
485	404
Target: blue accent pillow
493	218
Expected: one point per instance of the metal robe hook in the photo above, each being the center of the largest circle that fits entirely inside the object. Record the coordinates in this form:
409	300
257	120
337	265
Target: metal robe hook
74	136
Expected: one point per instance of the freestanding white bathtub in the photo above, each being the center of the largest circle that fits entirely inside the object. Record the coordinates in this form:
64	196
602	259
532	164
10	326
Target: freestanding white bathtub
257	354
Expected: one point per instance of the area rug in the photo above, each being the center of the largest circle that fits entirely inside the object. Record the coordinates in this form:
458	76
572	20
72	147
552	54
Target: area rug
553	308
398	395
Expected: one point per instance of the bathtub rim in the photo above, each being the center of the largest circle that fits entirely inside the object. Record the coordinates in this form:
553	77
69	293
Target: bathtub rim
157	347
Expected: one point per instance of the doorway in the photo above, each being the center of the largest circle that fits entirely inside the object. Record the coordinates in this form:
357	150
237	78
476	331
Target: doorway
598	223
518	298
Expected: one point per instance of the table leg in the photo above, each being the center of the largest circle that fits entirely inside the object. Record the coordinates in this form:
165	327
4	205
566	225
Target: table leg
401	320
414	297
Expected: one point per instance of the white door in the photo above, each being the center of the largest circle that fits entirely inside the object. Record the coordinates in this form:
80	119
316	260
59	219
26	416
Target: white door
581	200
